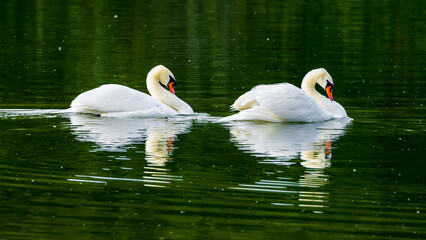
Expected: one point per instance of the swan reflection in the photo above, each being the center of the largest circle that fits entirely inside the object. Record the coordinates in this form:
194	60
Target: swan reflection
285	145
119	135
280	143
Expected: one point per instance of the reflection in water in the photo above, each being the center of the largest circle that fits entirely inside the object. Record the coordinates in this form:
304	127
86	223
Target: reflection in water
120	134
279	144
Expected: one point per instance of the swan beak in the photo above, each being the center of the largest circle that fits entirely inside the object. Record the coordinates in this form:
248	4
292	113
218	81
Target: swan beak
329	90
171	86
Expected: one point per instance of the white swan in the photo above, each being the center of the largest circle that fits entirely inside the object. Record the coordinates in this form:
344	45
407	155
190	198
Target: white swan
118	100
285	102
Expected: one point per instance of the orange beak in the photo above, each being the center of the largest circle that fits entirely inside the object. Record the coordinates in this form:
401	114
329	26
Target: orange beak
171	87
329	90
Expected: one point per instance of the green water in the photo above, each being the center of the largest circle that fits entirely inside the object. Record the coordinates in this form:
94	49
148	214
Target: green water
188	177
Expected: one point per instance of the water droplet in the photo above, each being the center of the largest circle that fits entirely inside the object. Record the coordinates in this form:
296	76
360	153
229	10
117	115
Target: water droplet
59	48
354	170
115	16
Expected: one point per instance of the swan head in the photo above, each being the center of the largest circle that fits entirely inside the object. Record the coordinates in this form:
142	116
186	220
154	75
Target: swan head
322	77
164	76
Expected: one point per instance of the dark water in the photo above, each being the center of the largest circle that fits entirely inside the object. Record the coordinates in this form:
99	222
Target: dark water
83	177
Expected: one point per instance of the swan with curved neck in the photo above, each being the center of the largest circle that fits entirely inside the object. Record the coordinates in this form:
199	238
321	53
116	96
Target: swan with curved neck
323	78
285	102
161	74
119	100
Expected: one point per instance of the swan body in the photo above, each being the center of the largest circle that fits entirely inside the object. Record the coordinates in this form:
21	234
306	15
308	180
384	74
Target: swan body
285	102
119	100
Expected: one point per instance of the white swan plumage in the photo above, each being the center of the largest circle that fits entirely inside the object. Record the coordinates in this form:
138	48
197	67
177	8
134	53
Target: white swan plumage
285	102
119	100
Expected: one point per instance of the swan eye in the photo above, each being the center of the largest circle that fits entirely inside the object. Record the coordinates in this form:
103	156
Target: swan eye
329	84
171	78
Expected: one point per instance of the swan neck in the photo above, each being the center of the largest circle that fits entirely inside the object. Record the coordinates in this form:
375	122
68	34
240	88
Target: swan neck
154	87
308	85
164	96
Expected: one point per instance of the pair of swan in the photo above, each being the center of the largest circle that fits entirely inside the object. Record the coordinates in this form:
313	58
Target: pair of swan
282	102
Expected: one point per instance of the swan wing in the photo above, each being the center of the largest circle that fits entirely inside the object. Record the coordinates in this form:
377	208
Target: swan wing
113	98
282	102
291	104
249	99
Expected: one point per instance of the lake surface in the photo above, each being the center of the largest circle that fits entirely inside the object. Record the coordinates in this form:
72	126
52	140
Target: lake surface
70	176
